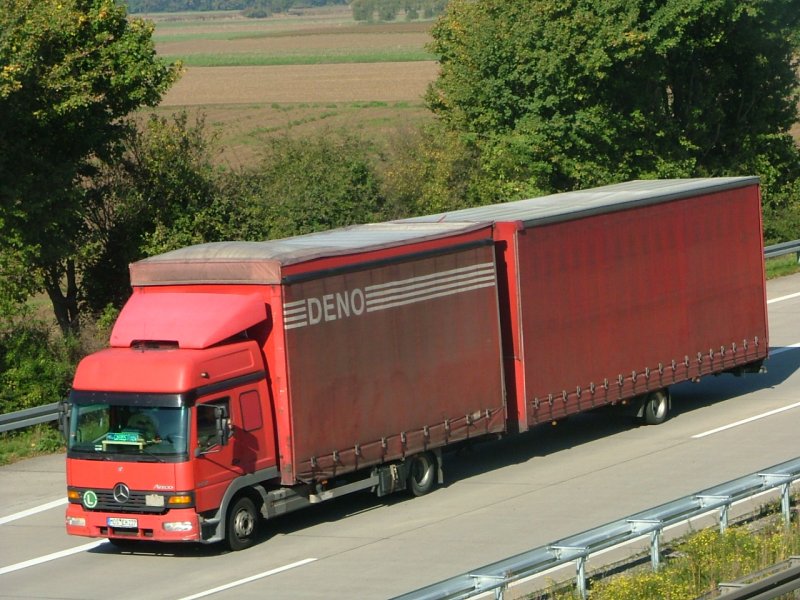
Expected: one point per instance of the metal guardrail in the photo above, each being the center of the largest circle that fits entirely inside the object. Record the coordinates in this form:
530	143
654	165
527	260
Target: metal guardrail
497	576
782	249
49	412
29	416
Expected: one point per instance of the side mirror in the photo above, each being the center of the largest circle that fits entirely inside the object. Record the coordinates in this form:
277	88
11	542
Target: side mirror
63	418
222	425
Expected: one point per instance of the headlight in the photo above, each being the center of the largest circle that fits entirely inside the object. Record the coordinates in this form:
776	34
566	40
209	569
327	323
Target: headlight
76	522
178	526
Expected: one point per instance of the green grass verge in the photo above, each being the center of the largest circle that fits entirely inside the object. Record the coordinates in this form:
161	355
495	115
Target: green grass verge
264	60
29	442
782	265
700	562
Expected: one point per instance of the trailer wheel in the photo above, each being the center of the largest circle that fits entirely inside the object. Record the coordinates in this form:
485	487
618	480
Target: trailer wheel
422	473
656	407
241	524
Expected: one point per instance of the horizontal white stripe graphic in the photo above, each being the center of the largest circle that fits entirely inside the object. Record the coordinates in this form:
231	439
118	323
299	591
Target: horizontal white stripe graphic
379	286
428	297
414	284
455	288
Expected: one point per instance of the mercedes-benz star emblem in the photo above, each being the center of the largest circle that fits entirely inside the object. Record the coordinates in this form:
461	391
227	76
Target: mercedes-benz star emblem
122	493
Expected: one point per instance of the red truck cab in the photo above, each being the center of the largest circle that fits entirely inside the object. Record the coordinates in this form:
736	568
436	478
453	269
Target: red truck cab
159	462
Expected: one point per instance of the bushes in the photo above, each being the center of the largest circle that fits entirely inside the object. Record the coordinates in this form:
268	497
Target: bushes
311	184
704	560
36	365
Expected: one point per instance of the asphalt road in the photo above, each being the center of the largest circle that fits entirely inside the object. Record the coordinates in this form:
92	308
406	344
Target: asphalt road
501	498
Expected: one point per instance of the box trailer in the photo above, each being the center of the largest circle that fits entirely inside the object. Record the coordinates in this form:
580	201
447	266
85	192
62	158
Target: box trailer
250	379
615	293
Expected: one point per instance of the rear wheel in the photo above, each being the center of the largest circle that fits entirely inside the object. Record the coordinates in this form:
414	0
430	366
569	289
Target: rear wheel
422	473
242	524
656	407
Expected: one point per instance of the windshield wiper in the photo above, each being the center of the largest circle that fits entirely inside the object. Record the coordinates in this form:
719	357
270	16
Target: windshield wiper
155	456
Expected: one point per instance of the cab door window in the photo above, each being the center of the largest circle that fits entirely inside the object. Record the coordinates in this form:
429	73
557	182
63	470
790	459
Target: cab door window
208	433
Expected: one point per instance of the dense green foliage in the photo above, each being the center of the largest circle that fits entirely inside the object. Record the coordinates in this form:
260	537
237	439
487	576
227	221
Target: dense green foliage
69	70
572	94
306	185
35	366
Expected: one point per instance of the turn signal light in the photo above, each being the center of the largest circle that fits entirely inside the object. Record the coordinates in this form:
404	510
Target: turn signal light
180	500
73	495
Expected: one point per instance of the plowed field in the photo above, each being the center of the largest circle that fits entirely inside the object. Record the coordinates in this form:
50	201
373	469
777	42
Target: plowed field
244	105
359	82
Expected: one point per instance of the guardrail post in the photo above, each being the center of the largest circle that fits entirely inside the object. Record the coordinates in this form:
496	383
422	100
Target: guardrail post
773	480
581	578
655	549
654	526
580	553
723	518
785	503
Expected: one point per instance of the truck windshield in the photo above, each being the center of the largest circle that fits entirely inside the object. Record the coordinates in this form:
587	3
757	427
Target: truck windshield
146	431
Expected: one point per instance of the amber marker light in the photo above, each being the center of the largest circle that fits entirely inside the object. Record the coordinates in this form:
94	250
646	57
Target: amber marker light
180	500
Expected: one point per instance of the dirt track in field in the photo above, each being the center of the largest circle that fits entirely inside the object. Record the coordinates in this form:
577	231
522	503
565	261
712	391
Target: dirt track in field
362	82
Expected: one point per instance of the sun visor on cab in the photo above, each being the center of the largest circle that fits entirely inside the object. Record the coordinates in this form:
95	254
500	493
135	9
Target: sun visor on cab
192	320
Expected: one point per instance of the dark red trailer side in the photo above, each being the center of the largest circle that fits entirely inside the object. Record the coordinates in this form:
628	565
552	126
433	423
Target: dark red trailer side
387	360
612	293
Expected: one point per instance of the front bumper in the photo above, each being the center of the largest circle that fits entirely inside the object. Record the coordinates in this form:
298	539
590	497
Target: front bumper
177	525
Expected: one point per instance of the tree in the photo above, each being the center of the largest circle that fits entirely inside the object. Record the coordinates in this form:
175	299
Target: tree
70	70
560	95
310	184
162	193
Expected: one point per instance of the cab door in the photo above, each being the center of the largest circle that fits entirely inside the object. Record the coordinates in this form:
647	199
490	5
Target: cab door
214	465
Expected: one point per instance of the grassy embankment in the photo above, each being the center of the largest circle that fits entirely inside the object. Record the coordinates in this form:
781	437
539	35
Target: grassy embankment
698	563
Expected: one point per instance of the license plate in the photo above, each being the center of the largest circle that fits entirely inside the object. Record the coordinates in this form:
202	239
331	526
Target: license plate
122	523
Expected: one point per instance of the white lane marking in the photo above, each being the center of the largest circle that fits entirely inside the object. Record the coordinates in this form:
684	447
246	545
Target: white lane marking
749	420
48	557
774	351
33	511
233	584
782	298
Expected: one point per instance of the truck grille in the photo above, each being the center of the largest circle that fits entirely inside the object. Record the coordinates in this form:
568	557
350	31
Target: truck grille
134	504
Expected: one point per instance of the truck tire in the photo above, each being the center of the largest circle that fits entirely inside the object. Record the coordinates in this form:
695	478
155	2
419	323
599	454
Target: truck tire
241	524
656	407
422	473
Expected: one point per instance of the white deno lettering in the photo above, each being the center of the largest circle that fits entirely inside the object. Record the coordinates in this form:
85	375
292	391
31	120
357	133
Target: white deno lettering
332	307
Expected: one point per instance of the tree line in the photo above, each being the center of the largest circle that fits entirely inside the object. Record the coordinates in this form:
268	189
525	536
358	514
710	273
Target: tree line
534	97
388	10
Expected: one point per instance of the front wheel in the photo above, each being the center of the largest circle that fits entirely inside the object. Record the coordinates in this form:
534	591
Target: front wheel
656	407
241	524
422	473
